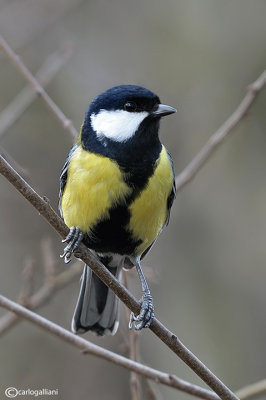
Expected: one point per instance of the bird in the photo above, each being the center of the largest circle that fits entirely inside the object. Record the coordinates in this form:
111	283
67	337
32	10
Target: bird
117	188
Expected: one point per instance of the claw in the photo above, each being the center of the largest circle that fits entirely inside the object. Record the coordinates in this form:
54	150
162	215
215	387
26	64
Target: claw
146	315
66	256
73	239
131	319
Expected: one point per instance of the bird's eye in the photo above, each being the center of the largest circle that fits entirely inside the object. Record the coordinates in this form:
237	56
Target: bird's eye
130	106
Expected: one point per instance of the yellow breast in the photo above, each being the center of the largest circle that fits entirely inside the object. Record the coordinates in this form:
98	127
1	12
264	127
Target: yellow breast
149	210
94	184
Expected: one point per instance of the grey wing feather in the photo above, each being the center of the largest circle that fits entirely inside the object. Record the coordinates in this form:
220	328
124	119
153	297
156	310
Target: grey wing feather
170	201
172	195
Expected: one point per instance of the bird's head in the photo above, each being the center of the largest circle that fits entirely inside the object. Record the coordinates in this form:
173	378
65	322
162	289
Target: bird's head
119	113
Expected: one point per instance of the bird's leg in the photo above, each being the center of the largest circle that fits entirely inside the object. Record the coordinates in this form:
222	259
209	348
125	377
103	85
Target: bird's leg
73	239
146	315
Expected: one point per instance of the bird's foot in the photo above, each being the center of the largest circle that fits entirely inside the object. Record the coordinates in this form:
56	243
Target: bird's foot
146	315
73	239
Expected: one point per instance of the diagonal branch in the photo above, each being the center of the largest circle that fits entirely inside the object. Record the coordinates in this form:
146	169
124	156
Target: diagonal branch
24	98
43	207
67	124
90	348
221	134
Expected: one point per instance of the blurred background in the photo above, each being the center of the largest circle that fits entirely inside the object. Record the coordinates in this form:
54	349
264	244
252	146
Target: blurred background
209	274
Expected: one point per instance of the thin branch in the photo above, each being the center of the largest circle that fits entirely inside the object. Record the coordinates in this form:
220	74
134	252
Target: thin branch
22	171
43	207
90	348
135	385
151	393
8	320
23	99
49	262
48	20
67	124
27	282
35	300
133	345
253	390
221	134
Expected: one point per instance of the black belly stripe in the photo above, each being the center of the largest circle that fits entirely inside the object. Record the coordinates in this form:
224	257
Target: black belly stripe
111	234
137	160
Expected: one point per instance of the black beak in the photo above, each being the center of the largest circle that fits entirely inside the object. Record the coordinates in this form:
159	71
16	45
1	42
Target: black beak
163	110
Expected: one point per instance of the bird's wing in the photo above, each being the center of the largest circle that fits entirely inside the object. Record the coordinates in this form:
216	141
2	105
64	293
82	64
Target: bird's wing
172	194
63	177
170	201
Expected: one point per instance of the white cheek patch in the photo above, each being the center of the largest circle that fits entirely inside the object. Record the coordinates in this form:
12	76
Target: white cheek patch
118	125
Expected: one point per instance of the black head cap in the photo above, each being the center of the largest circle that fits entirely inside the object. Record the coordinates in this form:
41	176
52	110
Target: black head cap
125	97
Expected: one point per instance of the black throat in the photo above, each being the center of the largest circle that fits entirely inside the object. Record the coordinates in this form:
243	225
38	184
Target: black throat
136	157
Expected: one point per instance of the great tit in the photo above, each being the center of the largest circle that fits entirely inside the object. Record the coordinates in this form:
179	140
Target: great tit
116	191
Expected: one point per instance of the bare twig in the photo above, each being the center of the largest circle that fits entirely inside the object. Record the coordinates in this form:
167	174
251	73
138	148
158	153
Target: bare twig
21	102
38	30
49	262
135	385
67	124
27	282
43	207
22	171
61	280
150	392
221	134
133	346
24	297
91	348
253	390
43	295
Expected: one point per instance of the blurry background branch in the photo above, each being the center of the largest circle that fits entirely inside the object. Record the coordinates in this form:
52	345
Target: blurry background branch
90	348
135	385
67	124
252	391
42	205
23	99
21	170
221	134
52	282
43	24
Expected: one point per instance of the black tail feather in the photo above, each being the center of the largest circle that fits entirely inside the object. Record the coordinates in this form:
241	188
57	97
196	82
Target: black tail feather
97	307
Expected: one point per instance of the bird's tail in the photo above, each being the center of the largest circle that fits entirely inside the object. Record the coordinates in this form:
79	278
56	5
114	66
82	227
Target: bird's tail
97	307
